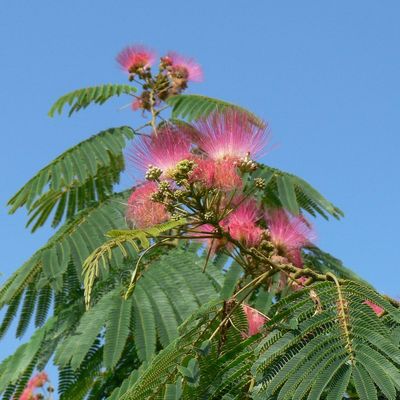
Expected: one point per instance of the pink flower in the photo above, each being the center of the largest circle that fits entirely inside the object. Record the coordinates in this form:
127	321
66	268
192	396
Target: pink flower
377	310
217	174
289	234
38	380
134	57
214	244
142	211
27	394
164	151
299	283
255	320
186	68
230	135
241	223
137	104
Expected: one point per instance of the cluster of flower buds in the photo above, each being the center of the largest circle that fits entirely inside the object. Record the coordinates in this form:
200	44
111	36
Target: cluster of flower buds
246	164
206	176
172	77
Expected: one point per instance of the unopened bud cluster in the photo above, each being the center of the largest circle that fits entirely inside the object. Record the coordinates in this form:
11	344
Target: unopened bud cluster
246	164
260	183
172	77
181	173
153	173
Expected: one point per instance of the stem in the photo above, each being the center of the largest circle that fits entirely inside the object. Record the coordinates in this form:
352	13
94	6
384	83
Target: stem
343	316
143	126
137	269
153	111
226	319
208	254
256	282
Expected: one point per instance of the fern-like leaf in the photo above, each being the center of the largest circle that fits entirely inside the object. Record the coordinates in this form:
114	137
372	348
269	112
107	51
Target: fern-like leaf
117	331
27	310
194	106
86	333
293	193
13	368
319	338
122	241
82	98
44	272
75	180
324	262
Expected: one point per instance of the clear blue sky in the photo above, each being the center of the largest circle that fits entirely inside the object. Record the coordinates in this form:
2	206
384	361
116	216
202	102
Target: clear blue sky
325	74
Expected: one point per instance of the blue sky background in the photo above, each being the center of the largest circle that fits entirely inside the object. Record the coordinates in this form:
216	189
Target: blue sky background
326	75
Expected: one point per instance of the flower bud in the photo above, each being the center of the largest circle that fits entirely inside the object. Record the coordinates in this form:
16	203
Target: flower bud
260	183
209	216
246	164
153	173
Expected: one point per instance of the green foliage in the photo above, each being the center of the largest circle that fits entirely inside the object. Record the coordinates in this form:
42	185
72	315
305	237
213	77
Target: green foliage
294	194
82	98
155	325
323	262
13	368
80	382
157	307
112	317
195	367
136	239
86	333
47	271
193	106
75	180
317	341
117	331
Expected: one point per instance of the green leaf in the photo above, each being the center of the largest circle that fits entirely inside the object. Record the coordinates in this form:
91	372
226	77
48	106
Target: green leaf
173	391
191	372
287	194
74	180
363	384
324	262
144	325
12	368
231	279
313	357
194	106
293	193
85	335
340	383
82	98
117	330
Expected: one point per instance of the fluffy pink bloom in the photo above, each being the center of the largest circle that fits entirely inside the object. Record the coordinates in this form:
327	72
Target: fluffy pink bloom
217	174
27	394
203	172
187	67
38	380
213	243
136	104
230	135
299	283
164	151
134	57
141	210
289	234
241	223
377	310
255	320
